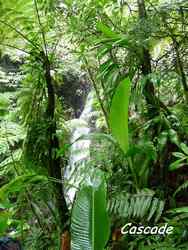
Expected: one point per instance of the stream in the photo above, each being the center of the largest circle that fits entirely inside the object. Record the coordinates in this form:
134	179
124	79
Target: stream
80	148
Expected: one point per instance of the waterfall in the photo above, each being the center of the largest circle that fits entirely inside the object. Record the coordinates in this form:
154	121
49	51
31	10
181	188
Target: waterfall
80	148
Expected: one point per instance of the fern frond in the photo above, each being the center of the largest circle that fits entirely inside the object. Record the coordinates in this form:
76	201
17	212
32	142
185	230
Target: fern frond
137	206
11	132
8	164
4	104
181	188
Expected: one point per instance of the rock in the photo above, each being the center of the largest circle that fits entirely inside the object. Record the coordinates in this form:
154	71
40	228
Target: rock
9	74
9	65
74	91
7	243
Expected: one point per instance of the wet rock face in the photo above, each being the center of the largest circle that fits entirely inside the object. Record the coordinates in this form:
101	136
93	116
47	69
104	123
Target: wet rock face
74	91
8	65
9	74
7	243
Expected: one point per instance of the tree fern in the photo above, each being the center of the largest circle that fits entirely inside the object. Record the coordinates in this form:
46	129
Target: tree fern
22	23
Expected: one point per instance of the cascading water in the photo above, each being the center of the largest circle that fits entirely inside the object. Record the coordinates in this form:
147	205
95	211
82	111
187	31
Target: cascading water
80	148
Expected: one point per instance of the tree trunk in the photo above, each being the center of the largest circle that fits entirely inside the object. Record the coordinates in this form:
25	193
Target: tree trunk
54	167
179	63
180	69
149	90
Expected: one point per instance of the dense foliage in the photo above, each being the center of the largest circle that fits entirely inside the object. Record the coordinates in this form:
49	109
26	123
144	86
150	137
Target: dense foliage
130	163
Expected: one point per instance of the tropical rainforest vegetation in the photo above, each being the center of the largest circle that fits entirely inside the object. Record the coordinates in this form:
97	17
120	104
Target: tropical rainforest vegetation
93	123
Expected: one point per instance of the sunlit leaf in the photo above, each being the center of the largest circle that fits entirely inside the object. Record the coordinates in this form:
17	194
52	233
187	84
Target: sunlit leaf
90	223
119	114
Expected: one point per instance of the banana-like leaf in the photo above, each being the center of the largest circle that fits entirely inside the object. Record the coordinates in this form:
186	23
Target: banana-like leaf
90	223
119	114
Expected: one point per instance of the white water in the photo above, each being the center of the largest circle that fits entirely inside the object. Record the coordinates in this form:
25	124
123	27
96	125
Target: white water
80	149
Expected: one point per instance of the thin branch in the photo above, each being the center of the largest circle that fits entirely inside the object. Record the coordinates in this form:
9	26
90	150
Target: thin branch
14	47
54	48
19	33
97	92
41	27
179	66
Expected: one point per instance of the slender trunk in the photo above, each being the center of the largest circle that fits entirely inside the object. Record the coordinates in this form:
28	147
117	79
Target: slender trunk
149	90
153	102
54	161
65	241
97	94
180	69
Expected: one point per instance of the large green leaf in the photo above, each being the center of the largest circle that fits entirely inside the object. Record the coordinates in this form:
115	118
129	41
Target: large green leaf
107	31
4	216
90	223
119	114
